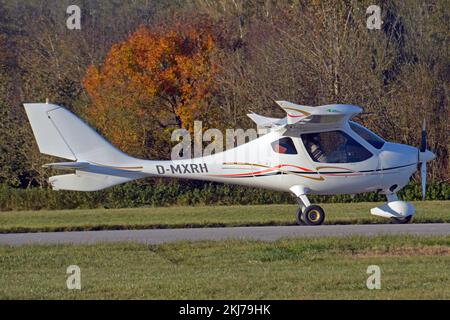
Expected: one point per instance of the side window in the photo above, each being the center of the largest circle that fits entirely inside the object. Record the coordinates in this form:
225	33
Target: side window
367	135
284	146
334	147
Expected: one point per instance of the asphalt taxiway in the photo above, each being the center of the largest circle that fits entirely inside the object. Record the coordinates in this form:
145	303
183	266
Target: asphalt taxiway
271	233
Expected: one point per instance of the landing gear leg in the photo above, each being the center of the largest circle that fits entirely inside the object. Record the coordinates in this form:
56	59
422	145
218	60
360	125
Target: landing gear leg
303	204
307	214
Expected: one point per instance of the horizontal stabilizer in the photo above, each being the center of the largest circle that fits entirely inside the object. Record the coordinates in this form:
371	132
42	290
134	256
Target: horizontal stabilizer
67	165
86	181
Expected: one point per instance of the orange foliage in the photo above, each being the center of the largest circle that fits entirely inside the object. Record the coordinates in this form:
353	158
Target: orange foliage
154	74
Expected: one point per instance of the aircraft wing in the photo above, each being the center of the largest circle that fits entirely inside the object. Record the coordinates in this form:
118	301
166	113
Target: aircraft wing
266	121
307	117
299	115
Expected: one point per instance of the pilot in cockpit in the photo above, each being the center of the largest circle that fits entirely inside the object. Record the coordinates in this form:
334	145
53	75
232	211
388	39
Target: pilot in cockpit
332	150
314	148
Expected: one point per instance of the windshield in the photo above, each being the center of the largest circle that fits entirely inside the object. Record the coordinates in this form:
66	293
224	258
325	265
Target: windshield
367	135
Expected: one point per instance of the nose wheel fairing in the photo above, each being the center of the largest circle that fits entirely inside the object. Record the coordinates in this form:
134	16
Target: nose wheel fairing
394	209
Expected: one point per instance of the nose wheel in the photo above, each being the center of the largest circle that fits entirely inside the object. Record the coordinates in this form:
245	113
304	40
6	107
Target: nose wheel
401	220
312	215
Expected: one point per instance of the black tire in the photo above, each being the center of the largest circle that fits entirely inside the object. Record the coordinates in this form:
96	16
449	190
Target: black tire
313	215
401	220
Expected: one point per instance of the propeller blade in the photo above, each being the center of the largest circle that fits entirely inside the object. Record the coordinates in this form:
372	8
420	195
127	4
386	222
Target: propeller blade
423	142
423	177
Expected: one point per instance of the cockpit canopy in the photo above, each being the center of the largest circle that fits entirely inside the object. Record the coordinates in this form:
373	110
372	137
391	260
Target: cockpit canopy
334	146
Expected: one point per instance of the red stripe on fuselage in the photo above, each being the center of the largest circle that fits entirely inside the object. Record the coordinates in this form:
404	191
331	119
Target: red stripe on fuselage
261	171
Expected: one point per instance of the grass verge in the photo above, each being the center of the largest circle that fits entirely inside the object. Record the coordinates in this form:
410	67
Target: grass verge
326	268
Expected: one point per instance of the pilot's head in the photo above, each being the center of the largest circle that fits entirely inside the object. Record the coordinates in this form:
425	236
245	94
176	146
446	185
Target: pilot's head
316	139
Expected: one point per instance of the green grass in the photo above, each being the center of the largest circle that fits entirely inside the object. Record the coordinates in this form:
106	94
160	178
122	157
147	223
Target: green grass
334	268
210	216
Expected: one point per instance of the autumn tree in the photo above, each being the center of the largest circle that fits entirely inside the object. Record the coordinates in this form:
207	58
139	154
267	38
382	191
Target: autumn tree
154	80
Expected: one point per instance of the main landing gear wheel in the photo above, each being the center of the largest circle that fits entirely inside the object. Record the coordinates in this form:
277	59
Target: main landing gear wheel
401	220
312	216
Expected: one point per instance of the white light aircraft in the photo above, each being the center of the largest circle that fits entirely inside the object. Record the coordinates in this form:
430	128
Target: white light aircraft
313	150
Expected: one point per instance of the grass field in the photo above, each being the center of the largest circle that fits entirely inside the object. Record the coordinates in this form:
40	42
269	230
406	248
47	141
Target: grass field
333	268
211	216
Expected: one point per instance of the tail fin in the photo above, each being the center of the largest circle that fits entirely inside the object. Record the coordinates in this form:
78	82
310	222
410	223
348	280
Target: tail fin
60	133
98	165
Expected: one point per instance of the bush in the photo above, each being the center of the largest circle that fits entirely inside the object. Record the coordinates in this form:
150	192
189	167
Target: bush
171	192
